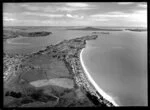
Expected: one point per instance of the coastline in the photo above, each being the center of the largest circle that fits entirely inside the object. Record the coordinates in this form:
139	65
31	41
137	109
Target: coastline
106	96
70	52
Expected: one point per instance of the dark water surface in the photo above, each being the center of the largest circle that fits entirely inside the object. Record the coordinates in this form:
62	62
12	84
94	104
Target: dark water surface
116	61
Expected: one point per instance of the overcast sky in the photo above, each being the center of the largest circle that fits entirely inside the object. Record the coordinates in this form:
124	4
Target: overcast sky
75	14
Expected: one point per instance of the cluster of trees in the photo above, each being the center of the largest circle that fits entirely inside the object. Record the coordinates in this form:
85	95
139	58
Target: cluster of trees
13	94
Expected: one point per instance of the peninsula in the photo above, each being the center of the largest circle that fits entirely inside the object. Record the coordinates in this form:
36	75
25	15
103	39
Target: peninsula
52	77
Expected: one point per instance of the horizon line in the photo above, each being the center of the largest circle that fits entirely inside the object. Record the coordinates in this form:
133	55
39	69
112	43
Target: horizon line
70	26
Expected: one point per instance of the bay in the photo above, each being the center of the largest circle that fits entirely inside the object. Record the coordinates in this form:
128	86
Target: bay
118	64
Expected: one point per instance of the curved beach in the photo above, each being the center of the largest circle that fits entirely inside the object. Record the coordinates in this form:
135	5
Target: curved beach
106	96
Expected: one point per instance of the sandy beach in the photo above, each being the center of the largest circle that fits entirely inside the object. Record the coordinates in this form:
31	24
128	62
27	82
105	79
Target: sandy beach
106	96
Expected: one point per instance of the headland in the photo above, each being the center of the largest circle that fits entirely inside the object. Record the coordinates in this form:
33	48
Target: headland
52	77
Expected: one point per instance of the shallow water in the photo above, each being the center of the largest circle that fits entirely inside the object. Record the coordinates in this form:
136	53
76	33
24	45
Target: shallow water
116	61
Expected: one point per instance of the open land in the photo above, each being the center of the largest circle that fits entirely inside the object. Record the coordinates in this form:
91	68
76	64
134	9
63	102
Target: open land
52	77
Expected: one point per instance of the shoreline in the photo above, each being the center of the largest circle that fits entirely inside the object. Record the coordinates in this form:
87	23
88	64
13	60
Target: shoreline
106	96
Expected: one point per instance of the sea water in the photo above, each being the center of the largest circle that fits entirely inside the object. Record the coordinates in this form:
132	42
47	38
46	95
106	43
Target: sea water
118	64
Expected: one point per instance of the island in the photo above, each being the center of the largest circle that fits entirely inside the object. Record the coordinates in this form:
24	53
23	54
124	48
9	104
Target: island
95	29
51	77
137	29
7	34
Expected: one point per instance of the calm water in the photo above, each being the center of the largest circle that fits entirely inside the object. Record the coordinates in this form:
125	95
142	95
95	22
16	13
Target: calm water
116	61
118	64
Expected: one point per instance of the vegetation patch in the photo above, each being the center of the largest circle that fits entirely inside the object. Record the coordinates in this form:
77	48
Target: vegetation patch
62	82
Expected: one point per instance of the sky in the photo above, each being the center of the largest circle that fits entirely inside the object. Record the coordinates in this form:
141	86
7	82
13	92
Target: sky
75	14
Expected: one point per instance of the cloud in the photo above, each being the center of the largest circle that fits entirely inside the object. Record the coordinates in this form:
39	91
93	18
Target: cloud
125	3
139	16
116	12
24	5
8	19
109	15
68	9
57	7
9	16
30	7
69	15
71	9
77	4
74	16
62	9
33	8
62	13
142	5
43	14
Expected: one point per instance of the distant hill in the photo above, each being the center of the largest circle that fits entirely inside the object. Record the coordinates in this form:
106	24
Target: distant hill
138	30
96	29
